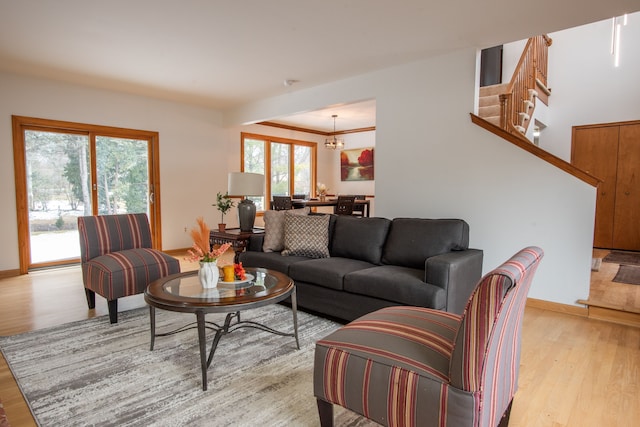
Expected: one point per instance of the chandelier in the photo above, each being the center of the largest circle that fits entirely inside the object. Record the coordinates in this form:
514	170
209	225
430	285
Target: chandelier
334	142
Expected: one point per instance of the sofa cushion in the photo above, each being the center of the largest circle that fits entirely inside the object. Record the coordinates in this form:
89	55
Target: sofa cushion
326	272
306	235
398	284
359	238
274	228
127	272
411	241
270	260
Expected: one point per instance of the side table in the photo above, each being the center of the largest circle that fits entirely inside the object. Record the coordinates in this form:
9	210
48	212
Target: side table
237	238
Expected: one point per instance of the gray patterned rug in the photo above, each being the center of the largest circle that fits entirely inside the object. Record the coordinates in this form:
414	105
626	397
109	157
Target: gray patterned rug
92	373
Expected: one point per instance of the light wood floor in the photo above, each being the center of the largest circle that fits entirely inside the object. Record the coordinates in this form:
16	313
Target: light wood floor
605	293
574	371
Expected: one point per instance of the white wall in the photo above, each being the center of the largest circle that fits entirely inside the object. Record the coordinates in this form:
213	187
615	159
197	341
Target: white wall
431	161
193	161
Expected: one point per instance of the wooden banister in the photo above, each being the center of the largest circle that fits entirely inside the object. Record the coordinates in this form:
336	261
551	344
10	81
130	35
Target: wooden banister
532	66
522	142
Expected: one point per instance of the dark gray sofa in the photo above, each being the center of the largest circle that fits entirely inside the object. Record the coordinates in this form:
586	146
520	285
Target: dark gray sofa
377	262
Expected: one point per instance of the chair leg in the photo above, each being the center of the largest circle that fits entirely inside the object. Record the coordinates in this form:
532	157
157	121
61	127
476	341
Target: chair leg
504	422
325	411
91	298
113	310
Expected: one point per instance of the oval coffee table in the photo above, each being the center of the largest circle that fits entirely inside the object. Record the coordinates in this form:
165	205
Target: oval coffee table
183	292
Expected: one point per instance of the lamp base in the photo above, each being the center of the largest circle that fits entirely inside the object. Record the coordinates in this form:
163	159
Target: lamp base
246	214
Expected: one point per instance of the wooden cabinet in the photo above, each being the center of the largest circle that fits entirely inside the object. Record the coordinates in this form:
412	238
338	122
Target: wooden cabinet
611	152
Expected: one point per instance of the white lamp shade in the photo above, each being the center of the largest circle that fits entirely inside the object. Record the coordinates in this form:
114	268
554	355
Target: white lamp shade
246	184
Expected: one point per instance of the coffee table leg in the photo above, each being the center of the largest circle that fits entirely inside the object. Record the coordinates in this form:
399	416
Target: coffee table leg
152	316
294	309
203	351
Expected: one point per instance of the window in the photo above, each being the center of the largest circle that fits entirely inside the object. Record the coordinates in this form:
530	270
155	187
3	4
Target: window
289	166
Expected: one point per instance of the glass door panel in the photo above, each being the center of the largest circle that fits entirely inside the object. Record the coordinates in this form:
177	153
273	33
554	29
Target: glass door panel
122	175
58	191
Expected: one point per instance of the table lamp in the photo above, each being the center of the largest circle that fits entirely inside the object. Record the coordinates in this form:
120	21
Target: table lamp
245	184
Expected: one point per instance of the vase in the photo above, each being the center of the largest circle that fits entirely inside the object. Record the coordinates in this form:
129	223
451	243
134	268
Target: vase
322	197
209	274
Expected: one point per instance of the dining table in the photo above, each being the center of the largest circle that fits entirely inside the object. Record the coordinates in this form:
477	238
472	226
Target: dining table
301	203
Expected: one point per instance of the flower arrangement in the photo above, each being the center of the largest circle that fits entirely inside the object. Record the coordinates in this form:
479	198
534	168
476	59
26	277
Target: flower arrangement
322	189
200	251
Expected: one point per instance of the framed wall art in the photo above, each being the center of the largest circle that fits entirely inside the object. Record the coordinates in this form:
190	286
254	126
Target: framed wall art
357	165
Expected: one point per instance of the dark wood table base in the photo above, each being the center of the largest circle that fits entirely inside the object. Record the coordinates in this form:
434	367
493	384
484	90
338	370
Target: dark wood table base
220	330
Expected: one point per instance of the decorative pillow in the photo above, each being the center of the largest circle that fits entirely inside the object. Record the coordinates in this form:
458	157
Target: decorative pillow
274	228
306	236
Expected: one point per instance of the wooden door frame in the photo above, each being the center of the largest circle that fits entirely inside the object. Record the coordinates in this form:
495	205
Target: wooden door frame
21	123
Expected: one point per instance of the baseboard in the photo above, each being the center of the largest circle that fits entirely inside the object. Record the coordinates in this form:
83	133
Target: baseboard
176	252
5	274
557	307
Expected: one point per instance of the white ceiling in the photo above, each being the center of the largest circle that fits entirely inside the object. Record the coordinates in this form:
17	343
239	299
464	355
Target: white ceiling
225	53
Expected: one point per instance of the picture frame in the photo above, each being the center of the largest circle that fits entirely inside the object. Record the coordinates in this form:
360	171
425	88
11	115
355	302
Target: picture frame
357	164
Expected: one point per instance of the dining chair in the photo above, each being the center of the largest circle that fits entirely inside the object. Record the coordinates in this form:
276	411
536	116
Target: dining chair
344	205
414	366
281	203
358	209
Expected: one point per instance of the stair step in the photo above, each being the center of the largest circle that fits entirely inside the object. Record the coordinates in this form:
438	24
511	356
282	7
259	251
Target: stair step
520	129
485	101
493	120
524	117
491	110
529	104
533	94
493	89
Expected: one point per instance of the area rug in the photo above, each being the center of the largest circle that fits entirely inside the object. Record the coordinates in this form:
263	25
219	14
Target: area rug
94	373
629	274
618	257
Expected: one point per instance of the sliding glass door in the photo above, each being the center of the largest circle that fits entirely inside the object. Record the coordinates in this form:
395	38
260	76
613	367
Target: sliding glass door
68	173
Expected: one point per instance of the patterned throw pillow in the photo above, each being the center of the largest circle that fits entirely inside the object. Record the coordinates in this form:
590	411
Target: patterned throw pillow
274	228
306	236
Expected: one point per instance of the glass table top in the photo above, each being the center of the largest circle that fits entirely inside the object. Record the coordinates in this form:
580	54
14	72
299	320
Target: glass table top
259	283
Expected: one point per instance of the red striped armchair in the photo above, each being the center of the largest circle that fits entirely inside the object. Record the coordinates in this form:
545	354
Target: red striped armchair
412	366
117	258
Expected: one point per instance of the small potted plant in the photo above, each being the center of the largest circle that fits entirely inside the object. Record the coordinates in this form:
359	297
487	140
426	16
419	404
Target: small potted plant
223	204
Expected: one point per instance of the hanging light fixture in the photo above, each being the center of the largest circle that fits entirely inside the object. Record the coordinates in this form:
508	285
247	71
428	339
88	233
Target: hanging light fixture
334	142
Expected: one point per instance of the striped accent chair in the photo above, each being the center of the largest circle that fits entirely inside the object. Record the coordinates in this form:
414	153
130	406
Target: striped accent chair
117	258
413	366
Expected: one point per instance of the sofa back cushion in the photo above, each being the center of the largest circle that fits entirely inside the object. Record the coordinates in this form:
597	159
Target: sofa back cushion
412	240
274	228
359	238
306	235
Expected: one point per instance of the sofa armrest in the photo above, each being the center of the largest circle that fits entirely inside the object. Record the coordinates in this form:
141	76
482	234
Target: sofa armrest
458	273
255	242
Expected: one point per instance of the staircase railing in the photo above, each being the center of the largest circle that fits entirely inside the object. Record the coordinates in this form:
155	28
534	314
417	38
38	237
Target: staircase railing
531	67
